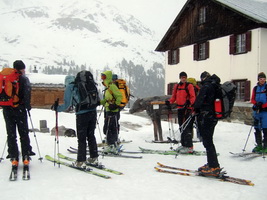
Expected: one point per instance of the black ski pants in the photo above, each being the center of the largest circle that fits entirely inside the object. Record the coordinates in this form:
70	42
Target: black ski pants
186	127
111	128
85	125
206	126
17	118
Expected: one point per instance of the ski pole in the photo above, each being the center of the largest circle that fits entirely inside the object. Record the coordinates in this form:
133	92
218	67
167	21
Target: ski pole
40	157
3	152
106	134
56	134
244	149
97	121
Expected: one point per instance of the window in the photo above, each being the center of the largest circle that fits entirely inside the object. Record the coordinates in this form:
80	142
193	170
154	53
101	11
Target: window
243	90
240	43
201	51
173	57
170	88
202	15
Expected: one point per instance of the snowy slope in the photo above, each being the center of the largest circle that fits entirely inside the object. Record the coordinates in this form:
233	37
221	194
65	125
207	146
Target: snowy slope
140	180
94	33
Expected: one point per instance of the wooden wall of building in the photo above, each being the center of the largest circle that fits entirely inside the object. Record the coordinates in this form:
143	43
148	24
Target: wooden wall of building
44	97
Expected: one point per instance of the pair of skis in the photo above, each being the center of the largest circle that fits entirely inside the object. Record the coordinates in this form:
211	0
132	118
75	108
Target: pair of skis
88	169
14	173
75	151
187	172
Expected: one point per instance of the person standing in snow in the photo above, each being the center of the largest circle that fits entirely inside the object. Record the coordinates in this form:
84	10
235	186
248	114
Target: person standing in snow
16	118
85	121
206	121
259	101
184	96
111	102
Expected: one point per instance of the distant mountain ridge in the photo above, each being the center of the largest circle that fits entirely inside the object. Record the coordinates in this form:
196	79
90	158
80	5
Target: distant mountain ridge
88	33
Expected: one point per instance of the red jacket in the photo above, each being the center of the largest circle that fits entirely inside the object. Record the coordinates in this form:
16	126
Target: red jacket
182	93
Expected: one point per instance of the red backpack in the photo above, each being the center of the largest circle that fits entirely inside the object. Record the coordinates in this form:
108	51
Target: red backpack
9	87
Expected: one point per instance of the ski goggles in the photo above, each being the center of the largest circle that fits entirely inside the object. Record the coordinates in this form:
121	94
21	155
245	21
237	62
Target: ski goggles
103	76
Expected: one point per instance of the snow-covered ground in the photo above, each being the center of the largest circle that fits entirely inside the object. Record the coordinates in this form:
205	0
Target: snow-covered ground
140	180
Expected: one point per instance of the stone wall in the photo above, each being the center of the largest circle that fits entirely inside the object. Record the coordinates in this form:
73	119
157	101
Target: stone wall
242	112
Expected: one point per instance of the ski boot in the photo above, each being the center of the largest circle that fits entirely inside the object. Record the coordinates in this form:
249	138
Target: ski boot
216	171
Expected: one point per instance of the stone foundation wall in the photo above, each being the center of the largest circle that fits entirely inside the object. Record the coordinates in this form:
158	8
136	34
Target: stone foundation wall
242	112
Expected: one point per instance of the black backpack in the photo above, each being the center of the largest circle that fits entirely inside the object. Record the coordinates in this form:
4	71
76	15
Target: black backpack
88	97
226	94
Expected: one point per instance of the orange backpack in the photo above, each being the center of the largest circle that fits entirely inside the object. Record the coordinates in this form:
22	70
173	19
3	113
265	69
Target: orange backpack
9	87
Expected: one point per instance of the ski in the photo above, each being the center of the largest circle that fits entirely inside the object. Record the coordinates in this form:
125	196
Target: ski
109	154
246	155
120	155
188	172
14	173
98	166
172	152
26	172
87	170
121	151
120	142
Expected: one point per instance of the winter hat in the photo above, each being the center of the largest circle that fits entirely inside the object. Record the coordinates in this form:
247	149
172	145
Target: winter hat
18	65
261	75
114	77
204	75
182	74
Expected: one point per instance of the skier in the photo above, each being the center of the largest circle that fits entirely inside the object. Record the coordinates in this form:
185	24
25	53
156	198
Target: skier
85	122
184	96
111	101
16	117
204	110
259	101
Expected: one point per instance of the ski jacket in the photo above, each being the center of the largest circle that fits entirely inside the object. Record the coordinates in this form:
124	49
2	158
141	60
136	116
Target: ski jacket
259	94
206	97
183	95
24	92
112	94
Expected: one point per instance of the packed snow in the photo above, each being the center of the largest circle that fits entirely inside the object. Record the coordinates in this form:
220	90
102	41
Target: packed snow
140	180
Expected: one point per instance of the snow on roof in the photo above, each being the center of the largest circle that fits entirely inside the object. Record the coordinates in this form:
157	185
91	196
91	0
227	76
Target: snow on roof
256	9
39	78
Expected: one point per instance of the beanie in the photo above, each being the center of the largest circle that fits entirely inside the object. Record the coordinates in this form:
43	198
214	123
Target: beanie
19	65
204	75
182	74
114	77
261	75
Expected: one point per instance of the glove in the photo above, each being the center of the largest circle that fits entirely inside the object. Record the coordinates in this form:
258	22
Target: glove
168	104
113	106
29	107
257	106
54	106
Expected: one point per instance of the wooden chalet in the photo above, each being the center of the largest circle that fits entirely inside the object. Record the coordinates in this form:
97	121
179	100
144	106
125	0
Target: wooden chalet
223	37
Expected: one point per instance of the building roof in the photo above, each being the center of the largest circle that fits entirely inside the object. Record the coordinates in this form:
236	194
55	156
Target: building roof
255	9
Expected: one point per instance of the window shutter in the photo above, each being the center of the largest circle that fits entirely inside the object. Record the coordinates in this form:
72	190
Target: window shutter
170	88
248	41
232	44
207	50
170	57
177	56
195	53
247	91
